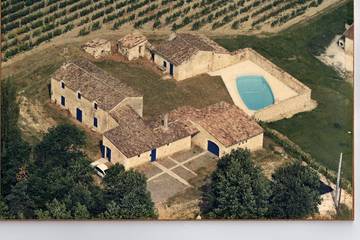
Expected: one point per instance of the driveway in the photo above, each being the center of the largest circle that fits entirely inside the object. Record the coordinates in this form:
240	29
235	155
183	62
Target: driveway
171	175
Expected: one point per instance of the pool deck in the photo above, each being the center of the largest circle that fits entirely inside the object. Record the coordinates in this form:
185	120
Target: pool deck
229	74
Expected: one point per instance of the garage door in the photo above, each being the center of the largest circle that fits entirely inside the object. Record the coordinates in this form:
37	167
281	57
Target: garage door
213	148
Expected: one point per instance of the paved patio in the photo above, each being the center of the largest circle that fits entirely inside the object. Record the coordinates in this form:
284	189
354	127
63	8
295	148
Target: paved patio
170	176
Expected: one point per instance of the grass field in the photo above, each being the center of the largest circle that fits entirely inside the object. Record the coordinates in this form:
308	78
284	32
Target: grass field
324	131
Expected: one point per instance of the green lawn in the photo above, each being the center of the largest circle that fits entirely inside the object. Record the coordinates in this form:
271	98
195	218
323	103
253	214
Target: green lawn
161	96
324	131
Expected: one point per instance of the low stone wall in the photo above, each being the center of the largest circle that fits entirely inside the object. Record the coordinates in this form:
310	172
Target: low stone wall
285	109
276	71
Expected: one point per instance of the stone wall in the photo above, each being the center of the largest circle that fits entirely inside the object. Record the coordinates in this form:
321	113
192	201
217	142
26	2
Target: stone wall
253	144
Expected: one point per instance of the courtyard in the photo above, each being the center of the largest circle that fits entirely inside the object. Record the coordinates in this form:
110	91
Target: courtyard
175	174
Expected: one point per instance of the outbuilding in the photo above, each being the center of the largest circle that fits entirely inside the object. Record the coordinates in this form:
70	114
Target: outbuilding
98	48
186	55
132	45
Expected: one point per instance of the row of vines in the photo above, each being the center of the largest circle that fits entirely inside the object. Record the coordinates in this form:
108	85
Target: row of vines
26	24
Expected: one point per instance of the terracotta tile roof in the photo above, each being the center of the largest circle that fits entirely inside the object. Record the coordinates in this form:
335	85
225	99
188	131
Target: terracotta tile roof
131	40
225	122
133	136
350	32
184	45
94	83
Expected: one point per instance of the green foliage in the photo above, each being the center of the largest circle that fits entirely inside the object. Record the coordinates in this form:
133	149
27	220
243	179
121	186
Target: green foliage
4	210
126	194
238	189
295	192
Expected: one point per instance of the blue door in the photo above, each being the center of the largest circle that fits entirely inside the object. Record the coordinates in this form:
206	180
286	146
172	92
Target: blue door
213	148
171	69
153	155
108	153
102	150
79	115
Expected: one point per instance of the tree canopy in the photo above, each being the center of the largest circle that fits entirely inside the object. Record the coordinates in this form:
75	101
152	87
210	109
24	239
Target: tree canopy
237	189
295	192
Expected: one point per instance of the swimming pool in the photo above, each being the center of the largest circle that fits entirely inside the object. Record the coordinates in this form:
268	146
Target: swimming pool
254	91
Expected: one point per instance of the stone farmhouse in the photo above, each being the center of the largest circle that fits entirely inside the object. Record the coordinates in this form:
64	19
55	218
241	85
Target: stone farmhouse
218	128
92	95
132	46
110	107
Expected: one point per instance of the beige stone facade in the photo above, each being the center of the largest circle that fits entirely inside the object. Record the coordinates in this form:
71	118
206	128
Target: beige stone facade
145	157
132	46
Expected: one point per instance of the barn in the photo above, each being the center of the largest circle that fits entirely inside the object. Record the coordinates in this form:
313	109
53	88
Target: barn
186	55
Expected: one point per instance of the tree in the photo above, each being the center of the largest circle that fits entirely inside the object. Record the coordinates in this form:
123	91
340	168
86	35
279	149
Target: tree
295	192
237	189
126	194
81	212
14	150
54	210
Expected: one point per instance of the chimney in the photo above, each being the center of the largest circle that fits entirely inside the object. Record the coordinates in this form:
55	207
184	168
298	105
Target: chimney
165	122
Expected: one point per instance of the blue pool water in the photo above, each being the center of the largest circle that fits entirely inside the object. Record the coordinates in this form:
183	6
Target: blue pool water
254	91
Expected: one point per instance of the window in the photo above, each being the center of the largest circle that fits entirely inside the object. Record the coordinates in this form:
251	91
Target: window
62	85
95	122
153	57
62	100
164	64
95	105
78	95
